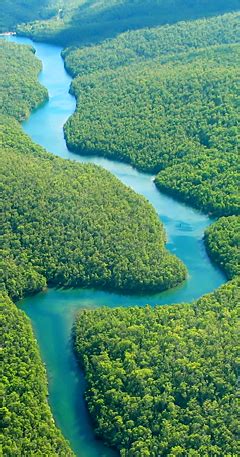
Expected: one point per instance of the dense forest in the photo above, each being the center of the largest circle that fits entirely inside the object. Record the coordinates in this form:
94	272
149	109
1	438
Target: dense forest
26	421
27	424
162	381
77	225
71	224
14	12
20	92
164	110
63	223
161	43
223	244
87	21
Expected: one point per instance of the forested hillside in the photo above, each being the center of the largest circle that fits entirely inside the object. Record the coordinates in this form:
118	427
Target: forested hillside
223	244
86	21
171	107
162	381
20	91
26	420
161	43
14	12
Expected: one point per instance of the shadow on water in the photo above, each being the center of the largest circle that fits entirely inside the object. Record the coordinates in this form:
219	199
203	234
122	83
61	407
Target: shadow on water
52	311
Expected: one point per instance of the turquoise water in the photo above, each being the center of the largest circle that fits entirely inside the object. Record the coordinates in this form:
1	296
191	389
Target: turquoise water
52	312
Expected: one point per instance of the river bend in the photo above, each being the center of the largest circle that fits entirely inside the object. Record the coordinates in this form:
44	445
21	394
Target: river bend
52	312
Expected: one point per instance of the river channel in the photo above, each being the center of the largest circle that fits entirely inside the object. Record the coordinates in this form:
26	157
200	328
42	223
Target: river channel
52	311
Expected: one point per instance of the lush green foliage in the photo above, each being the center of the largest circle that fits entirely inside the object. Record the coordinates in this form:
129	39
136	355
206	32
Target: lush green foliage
166	110
20	92
64	223
15	12
26	421
162	381
223	244
77	225
164	43
27	424
70	224
81	21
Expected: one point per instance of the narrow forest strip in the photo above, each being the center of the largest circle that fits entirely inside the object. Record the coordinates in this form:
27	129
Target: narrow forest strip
27	424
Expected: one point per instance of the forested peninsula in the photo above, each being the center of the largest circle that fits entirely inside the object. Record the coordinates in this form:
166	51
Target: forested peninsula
76	225
168	104
20	92
162	381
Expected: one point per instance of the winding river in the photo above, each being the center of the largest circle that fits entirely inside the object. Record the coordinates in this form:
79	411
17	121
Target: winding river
52	311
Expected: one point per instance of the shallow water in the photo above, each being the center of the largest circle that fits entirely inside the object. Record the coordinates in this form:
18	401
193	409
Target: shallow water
52	312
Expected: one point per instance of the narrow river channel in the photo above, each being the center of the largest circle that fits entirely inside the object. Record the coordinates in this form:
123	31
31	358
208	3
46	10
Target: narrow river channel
52	311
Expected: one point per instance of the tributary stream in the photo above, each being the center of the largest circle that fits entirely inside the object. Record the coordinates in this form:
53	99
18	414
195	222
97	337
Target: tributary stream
52	311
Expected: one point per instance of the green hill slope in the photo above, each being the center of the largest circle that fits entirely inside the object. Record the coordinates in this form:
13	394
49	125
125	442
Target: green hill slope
84	21
223	244
73	224
165	104
14	12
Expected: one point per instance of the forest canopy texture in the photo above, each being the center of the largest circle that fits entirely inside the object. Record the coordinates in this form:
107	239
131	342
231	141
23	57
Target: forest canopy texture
56	230
166	101
14	12
70	224
27	424
88	21
162	381
20	91
77	225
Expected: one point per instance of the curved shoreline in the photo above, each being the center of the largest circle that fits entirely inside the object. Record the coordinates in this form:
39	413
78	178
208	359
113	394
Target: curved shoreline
52	311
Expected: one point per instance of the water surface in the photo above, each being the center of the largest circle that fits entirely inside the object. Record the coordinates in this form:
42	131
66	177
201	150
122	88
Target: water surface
52	312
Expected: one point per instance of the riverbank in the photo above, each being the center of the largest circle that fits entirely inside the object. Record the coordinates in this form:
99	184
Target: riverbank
52	312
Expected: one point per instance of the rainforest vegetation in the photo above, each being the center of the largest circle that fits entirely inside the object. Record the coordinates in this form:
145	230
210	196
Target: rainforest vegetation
223	244
77	225
169	111
67	224
162	381
27	425
20	92
86	21
14	12
161	43
70	224
26	421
